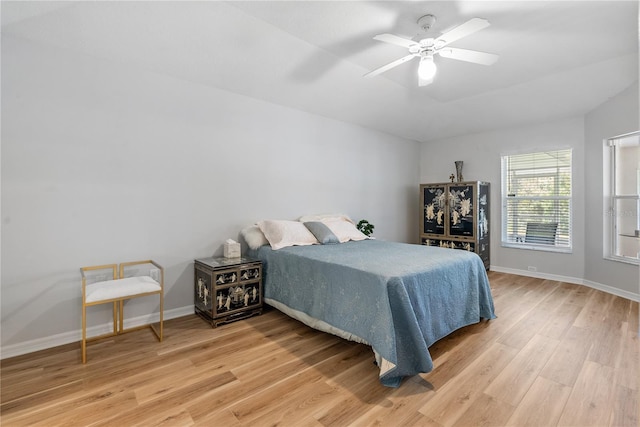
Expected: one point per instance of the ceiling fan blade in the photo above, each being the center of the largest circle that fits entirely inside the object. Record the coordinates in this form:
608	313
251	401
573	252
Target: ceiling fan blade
390	65
393	39
463	30
468	55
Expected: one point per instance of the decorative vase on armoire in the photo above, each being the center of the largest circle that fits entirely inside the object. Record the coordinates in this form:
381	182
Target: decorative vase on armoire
459	176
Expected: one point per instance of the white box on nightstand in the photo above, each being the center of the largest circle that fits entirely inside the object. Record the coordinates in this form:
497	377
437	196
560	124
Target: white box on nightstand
231	249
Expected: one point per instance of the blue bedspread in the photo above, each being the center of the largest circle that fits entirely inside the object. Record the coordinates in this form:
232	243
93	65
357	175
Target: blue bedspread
400	298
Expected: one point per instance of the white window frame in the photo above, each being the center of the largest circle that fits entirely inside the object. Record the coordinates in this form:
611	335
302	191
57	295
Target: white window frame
612	232
519	243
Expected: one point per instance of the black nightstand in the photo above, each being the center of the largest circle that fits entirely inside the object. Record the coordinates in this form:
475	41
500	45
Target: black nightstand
227	289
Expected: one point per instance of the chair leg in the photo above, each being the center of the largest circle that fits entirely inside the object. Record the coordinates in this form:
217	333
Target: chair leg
161	314
121	316
84	333
115	318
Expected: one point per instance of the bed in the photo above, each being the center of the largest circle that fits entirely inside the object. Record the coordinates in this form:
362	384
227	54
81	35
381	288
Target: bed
398	298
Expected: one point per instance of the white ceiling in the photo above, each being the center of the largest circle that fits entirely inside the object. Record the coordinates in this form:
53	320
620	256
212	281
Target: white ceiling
557	58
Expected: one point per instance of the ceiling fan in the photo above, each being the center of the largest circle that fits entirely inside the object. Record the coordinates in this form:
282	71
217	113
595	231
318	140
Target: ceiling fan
427	48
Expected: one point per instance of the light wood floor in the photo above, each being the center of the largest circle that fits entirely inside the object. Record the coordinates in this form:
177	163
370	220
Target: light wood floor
558	354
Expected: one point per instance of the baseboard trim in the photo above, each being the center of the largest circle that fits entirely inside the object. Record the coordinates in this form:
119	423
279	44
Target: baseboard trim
595	285
75	336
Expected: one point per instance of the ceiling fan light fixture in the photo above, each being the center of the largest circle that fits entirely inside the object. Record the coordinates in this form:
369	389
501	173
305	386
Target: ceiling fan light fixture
427	68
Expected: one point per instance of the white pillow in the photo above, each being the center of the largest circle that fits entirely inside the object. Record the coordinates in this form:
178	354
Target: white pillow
343	229
282	233
320	217
254	237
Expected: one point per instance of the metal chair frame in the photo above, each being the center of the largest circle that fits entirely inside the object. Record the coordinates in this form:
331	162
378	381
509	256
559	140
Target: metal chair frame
118	303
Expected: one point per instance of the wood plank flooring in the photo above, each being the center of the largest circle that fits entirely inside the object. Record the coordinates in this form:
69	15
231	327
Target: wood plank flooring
557	355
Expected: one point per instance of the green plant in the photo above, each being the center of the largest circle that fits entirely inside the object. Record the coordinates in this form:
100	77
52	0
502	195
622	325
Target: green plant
365	227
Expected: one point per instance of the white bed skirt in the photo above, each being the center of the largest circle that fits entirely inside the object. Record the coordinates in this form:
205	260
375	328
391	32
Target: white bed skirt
320	325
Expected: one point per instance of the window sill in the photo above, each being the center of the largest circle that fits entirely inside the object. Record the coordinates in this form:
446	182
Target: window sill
541	248
625	260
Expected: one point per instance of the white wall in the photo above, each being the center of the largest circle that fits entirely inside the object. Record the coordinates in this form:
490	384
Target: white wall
481	155
104	163
617	116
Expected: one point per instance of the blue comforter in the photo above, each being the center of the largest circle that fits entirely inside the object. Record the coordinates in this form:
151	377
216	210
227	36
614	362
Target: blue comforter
399	298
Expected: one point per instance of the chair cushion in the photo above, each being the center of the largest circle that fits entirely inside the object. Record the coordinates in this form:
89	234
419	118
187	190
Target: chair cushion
120	288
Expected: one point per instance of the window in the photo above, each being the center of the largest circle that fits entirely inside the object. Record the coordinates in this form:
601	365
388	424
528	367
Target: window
625	197
536	201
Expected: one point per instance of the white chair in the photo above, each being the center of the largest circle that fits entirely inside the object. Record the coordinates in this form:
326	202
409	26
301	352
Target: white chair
117	290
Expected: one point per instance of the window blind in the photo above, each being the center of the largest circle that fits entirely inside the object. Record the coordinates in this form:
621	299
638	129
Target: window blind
536	200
